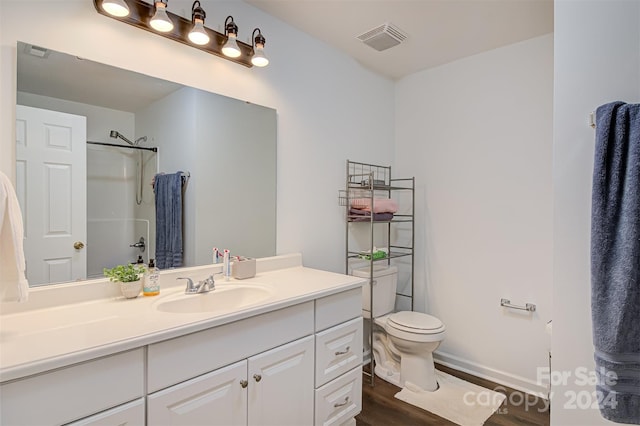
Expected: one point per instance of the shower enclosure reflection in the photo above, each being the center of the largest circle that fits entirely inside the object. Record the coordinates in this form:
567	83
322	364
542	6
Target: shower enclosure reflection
116	224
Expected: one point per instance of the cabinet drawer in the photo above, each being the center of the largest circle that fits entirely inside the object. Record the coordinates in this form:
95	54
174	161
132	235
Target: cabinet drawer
74	392
338	308
338	350
131	414
339	400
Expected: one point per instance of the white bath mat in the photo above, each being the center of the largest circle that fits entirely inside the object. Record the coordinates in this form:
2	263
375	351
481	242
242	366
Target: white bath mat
456	400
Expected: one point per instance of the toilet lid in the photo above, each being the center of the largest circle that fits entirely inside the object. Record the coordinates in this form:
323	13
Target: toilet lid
415	322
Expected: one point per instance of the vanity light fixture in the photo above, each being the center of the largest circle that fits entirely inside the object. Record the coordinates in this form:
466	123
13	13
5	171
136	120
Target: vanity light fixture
160	21
198	34
115	7
231	48
258	59
143	14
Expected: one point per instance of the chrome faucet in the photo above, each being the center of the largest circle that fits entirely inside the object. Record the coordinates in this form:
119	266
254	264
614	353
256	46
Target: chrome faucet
207	285
202	286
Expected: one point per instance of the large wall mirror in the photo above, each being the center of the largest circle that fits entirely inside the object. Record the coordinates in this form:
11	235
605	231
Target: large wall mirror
90	140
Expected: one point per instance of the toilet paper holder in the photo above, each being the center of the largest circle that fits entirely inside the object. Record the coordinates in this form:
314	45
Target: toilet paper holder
527	307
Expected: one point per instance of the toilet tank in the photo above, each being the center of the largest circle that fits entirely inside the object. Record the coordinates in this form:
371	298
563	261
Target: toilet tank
385	281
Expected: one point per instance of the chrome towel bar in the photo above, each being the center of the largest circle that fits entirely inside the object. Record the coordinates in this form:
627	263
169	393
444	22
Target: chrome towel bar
527	307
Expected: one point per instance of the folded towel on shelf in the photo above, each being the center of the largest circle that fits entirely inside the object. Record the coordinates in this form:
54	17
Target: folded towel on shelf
14	286
360	215
380	205
615	270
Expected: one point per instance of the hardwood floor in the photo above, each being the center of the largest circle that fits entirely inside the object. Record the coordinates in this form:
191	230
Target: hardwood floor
380	408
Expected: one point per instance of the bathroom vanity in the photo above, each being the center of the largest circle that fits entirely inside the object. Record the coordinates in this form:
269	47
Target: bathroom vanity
292	355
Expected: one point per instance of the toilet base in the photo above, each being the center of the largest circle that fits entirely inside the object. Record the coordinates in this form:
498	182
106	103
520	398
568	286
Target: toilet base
388	373
387	365
420	371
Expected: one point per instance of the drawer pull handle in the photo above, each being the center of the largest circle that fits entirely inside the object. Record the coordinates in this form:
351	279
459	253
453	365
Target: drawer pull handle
244	383
341	404
257	377
346	351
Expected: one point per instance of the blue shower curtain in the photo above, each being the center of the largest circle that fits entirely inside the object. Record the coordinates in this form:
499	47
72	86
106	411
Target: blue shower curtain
168	192
615	261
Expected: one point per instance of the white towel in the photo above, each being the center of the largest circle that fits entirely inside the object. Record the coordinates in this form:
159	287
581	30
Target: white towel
13	283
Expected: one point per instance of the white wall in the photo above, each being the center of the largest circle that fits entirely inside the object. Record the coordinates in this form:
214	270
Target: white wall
323	117
597	60
477	135
235	192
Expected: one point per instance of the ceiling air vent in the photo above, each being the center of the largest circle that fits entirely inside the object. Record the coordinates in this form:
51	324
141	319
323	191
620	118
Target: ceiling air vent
383	37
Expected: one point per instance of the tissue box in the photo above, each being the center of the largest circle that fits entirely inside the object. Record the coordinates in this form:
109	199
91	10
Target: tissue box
243	268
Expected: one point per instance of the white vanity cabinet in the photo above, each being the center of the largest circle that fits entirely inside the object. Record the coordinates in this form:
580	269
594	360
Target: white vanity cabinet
296	366
338	372
256	371
295	360
75	392
271	388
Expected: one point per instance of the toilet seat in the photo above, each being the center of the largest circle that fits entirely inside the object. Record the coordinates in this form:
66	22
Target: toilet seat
415	326
415	322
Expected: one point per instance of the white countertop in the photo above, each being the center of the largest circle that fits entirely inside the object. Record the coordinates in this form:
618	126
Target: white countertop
41	335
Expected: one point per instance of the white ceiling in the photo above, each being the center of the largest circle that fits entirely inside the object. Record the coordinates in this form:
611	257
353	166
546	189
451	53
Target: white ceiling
64	76
439	31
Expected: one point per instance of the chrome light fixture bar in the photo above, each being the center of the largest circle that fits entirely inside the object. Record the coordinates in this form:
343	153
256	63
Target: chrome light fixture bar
141	12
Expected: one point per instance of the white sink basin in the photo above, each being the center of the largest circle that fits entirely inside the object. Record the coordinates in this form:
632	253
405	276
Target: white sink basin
225	298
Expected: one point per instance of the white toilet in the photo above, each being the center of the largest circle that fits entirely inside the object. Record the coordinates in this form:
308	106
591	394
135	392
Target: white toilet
403	342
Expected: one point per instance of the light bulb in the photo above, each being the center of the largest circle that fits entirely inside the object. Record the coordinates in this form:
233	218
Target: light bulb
198	35
258	59
231	48
116	8
160	21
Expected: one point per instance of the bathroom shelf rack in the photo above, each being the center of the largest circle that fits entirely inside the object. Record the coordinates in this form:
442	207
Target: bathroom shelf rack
364	183
394	252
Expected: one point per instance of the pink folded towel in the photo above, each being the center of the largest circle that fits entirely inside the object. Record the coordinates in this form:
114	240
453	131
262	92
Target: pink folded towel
380	205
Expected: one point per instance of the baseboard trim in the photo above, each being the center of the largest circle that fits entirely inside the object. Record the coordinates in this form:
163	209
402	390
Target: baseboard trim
501	377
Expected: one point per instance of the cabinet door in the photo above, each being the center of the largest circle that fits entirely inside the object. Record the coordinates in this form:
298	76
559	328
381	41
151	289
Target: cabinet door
131	414
281	385
217	398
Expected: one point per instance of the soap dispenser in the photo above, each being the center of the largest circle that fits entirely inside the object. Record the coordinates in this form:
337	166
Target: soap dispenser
151	280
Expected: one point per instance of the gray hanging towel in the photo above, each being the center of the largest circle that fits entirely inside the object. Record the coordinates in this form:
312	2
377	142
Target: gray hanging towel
168	191
615	261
